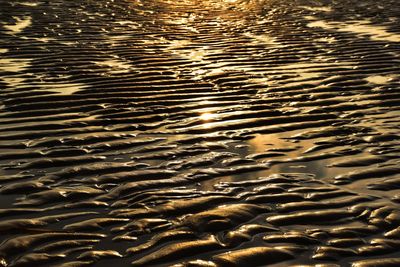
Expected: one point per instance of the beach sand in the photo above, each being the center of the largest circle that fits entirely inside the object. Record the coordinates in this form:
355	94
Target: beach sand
199	133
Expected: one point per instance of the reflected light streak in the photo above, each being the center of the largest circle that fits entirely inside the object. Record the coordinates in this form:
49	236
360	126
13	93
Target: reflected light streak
207	116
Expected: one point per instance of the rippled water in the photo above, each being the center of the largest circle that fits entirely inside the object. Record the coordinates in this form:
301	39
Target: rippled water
199	133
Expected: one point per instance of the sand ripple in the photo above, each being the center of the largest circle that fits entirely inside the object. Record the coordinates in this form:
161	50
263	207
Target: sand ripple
199	133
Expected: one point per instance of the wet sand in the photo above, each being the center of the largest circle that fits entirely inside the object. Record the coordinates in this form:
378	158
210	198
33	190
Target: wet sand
199	133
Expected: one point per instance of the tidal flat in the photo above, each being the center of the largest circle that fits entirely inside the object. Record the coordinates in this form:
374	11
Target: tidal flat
199	133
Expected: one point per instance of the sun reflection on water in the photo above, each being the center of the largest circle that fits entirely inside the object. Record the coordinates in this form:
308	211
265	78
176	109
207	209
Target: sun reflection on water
207	116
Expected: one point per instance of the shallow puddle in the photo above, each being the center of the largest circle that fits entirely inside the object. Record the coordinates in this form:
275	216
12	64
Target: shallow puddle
62	88
378	79
19	26
362	28
115	65
14	64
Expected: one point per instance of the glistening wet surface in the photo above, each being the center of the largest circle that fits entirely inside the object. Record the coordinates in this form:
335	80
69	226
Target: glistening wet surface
199	133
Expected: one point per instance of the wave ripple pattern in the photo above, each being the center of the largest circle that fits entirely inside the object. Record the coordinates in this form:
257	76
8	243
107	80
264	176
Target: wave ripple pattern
199	133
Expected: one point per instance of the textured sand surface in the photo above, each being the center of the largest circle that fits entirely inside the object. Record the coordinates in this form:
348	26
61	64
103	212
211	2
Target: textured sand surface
199	133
